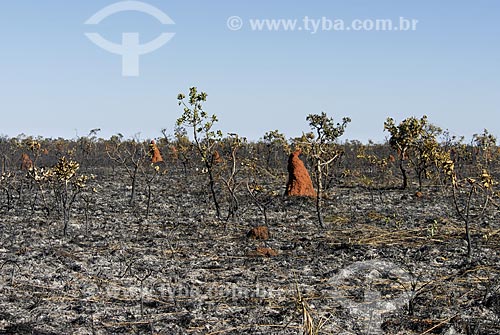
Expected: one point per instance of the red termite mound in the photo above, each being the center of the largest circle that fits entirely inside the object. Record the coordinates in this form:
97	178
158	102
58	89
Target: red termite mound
155	153
26	162
299	180
216	158
259	233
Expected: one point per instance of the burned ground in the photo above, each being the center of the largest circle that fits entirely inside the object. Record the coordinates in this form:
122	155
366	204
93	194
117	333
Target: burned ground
388	262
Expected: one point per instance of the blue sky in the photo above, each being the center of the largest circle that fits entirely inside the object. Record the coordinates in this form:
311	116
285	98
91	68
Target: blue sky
56	83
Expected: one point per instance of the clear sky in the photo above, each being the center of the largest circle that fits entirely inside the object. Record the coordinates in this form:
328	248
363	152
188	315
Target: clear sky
56	83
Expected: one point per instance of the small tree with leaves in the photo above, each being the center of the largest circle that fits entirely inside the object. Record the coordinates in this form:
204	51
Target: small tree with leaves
321	148
64	181
67	184
205	138
415	141
485	147
471	196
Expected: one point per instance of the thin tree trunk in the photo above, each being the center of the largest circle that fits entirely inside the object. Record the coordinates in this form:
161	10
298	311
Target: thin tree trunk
134	184
149	201
467	225
465	218
64	202
319	194
403	172
212	190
